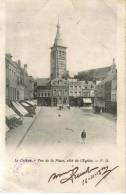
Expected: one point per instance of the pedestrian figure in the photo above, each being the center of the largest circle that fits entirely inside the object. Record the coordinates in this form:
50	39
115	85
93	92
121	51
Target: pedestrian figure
83	136
69	107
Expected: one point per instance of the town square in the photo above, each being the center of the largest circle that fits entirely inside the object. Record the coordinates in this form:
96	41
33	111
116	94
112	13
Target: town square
58	107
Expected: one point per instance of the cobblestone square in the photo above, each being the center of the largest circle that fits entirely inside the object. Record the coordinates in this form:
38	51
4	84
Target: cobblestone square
54	126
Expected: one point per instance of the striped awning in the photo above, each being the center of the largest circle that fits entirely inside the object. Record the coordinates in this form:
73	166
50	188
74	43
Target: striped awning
10	113
20	108
24	104
31	103
7	128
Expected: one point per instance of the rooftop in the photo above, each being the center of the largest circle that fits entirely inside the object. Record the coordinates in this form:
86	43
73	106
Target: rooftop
42	81
98	73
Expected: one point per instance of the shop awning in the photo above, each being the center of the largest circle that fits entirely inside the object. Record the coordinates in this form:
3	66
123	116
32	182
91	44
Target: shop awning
87	100
10	113
17	116
24	104
31	103
35	102
7	128
20	108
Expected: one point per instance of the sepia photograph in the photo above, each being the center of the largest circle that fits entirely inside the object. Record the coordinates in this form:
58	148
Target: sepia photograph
62	74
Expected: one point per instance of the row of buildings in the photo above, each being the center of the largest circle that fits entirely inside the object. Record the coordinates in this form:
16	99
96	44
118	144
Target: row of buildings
74	92
19	93
59	91
105	94
19	85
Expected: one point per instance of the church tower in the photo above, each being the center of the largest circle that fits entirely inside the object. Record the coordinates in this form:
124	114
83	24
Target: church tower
58	56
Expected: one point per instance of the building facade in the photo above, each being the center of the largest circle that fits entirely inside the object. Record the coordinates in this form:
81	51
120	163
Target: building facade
31	87
106	92
19	85
43	91
59	92
20	82
80	90
11	79
26	82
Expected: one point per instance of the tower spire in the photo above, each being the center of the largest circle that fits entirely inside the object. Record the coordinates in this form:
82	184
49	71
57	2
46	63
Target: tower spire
58	39
58	21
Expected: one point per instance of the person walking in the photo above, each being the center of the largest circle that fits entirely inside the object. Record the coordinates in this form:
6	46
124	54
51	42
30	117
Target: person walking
83	136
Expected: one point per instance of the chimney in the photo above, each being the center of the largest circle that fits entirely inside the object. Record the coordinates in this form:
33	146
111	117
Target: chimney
113	61
25	67
19	63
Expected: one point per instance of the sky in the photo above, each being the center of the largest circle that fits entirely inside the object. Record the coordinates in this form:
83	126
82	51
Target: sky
88	30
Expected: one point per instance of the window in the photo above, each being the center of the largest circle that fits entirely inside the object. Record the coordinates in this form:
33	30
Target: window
54	92
38	94
60	53
12	93
15	93
60	93
7	91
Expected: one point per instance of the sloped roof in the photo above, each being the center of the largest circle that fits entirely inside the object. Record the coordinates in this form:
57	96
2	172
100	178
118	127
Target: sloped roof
111	75
42	81
8	58
98	73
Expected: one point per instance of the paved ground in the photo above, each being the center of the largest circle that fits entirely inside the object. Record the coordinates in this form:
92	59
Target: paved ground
50	128
14	136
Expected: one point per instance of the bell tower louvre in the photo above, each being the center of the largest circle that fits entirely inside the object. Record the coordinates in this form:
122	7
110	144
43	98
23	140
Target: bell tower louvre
58	56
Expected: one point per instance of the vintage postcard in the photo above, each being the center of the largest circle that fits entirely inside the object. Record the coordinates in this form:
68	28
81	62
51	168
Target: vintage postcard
63	100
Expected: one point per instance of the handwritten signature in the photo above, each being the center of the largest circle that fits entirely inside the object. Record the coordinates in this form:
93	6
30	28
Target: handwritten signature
90	173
